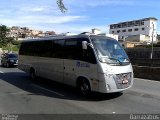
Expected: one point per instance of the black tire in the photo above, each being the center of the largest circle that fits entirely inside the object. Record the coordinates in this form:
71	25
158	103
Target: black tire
84	87
32	74
7	65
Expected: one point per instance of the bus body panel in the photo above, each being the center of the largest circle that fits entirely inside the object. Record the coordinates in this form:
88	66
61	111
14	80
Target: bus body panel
89	71
109	81
69	72
50	68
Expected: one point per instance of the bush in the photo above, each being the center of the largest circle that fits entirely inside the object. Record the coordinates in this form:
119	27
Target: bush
13	48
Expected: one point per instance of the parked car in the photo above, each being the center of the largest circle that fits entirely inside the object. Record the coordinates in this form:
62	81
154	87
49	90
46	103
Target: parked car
9	59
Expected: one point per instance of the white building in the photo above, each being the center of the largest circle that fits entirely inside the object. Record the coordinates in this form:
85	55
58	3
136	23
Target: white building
146	26
114	36
96	31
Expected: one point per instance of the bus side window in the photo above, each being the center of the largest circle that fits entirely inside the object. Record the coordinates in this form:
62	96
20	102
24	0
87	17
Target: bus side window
30	48
89	56
58	49
71	49
22	49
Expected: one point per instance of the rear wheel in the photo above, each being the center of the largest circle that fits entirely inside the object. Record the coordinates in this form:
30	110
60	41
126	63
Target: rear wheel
84	87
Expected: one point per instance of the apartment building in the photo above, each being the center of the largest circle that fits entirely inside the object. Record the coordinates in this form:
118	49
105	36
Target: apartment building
47	33
145	26
19	32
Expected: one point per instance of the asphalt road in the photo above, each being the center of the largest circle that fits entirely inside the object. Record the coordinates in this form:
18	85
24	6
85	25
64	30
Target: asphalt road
20	95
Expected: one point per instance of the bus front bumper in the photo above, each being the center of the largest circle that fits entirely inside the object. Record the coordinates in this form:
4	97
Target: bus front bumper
115	82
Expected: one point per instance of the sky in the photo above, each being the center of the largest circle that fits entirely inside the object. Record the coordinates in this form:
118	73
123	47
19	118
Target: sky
82	15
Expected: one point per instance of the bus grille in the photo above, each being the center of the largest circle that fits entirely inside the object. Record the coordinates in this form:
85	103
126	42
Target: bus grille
120	78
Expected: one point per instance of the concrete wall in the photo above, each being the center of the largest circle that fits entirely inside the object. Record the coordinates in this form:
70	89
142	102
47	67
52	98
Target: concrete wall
143	66
145	72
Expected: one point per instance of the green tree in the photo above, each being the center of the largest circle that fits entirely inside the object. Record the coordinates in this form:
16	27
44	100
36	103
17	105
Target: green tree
6	42
3	35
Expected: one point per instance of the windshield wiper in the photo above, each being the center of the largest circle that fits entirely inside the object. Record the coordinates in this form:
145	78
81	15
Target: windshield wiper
125	59
111	58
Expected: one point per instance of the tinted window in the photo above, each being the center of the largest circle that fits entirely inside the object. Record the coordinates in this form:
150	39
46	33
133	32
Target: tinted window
58	49
71	49
36	48
39	48
23	48
89	56
44	48
27	48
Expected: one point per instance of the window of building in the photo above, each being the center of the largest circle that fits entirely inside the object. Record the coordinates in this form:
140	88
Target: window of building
118	31
142	22
123	30
114	26
119	25
136	29
137	23
129	30
143	28
124	25
111	26
130	24
112	32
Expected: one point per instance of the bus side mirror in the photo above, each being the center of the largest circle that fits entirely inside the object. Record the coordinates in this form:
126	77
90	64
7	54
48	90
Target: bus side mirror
84	45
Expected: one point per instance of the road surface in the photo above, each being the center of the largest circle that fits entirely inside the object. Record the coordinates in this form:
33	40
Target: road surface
20	95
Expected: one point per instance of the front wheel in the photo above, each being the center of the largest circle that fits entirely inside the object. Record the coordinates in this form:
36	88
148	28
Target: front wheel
84	87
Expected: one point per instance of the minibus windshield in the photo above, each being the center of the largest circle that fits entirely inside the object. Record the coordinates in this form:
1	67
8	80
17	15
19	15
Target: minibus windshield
110	51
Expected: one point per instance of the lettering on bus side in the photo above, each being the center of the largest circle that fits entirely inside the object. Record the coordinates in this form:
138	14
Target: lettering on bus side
82	64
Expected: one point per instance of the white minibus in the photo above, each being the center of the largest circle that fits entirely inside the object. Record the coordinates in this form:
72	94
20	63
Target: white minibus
88	62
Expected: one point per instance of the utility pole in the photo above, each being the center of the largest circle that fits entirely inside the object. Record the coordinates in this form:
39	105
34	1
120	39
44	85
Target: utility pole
152	43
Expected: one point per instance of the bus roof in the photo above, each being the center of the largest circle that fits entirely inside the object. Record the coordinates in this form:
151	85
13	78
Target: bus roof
56	37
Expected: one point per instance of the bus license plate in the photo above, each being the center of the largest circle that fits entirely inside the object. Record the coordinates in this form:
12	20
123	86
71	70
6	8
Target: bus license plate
124	81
